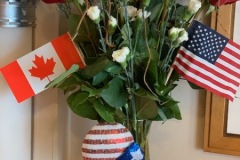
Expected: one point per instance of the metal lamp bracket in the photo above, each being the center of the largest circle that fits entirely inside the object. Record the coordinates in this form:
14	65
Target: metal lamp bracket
17	13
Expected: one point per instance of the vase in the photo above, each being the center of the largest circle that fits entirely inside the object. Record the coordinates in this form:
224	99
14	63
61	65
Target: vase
140	133
106	141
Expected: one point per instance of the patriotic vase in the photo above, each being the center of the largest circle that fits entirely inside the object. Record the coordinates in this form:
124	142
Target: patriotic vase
106	142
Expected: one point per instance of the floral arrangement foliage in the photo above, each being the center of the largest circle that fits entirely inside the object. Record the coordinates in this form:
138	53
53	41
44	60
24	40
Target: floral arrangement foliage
129	46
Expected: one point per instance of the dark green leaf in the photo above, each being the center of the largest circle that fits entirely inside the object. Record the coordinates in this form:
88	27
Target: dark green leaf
162	115
99	78
156	10
141	92
73	21
126	32
91	70
77	98
86	87
106	112
194	86
172	112
119	116
147	110
115	95
170	109
170	102
81	106
87	29
168	89
113	68
69	84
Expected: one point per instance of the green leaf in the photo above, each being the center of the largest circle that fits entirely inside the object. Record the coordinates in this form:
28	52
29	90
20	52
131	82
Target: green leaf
194	86
124	43
70	83
115	95
141	46
81	106
126	32
168	89
170	102
147	110
172	112
86	87
170	109
99	78
155	11
152	72
211	8
160	88
119	116
91	70
141	92
77	98
162	115
113	68
64	75
83	35
72	22
106	112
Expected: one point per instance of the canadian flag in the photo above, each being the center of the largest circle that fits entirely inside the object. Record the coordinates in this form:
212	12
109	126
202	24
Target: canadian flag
28	75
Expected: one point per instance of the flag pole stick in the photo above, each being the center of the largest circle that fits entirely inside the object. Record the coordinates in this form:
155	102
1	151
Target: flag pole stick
169	75
171	69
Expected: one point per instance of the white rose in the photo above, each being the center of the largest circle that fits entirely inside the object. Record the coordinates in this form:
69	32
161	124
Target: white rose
173	33
94	13
112	24
140	14
125	51
131	11
112	21
183	36
194	5
121	55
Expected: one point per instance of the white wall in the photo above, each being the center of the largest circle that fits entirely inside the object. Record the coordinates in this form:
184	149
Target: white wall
183	140
45	107
15	119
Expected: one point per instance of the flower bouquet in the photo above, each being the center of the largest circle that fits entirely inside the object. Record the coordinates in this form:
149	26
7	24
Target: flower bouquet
128	47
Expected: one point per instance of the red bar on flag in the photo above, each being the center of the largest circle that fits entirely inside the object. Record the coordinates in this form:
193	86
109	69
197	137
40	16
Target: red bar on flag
210	60
29	74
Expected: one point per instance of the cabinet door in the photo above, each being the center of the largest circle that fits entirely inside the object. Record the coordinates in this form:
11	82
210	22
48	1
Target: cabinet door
217	139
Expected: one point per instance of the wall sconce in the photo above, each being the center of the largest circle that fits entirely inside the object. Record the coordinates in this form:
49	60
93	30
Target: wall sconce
17	13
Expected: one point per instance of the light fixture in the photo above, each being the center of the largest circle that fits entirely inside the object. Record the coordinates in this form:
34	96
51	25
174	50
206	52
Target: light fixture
17	13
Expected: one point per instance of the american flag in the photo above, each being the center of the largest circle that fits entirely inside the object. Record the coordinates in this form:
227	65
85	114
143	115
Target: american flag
210	60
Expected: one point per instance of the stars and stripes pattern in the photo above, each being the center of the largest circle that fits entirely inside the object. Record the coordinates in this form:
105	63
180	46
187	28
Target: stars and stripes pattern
209	60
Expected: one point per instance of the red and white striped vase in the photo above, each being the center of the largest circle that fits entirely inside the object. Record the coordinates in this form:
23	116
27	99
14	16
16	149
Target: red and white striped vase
106	142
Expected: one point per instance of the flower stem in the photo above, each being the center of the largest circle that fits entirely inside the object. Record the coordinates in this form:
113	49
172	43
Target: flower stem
132	98
85	25
102	41
149	55
162	26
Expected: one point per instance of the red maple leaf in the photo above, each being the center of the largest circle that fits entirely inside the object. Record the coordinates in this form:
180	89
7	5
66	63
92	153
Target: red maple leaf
43	69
